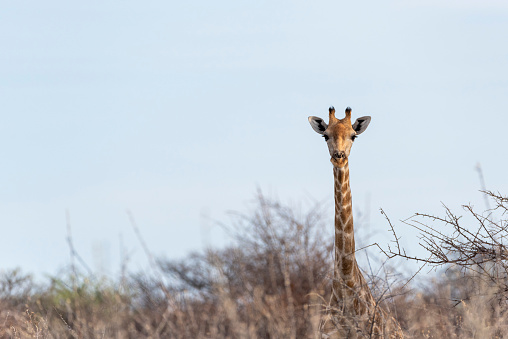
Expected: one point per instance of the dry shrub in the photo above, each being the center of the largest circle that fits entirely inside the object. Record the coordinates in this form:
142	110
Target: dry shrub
267	284
469	299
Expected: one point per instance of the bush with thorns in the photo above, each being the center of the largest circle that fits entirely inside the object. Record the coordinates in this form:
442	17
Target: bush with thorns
470	300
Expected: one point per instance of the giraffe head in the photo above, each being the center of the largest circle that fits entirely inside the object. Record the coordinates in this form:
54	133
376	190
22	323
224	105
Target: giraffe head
339	134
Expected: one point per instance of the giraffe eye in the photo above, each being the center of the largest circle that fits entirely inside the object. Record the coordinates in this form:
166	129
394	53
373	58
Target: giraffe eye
326	137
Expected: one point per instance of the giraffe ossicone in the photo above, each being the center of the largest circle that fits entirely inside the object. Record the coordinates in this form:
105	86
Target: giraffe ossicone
353	312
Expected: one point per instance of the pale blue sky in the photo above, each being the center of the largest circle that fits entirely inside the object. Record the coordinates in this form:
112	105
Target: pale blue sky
176	110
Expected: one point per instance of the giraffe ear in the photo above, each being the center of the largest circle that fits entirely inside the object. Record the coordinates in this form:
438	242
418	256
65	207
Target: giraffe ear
318	124
361	124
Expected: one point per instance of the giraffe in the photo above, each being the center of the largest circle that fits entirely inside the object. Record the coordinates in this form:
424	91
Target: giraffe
353	312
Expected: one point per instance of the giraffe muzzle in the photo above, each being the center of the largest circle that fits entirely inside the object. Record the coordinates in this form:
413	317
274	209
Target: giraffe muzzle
339	155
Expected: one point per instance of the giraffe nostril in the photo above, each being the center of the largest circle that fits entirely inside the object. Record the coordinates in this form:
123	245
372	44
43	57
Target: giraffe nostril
339	155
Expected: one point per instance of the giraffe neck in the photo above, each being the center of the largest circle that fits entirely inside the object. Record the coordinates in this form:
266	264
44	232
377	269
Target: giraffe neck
350	292
346	272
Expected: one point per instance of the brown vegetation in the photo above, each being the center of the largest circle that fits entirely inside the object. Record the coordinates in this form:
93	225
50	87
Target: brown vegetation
470	298
274	282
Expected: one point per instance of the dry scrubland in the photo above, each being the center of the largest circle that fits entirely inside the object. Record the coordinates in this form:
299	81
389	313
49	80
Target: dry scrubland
274	282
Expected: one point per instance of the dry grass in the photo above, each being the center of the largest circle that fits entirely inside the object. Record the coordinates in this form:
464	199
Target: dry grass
272	283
